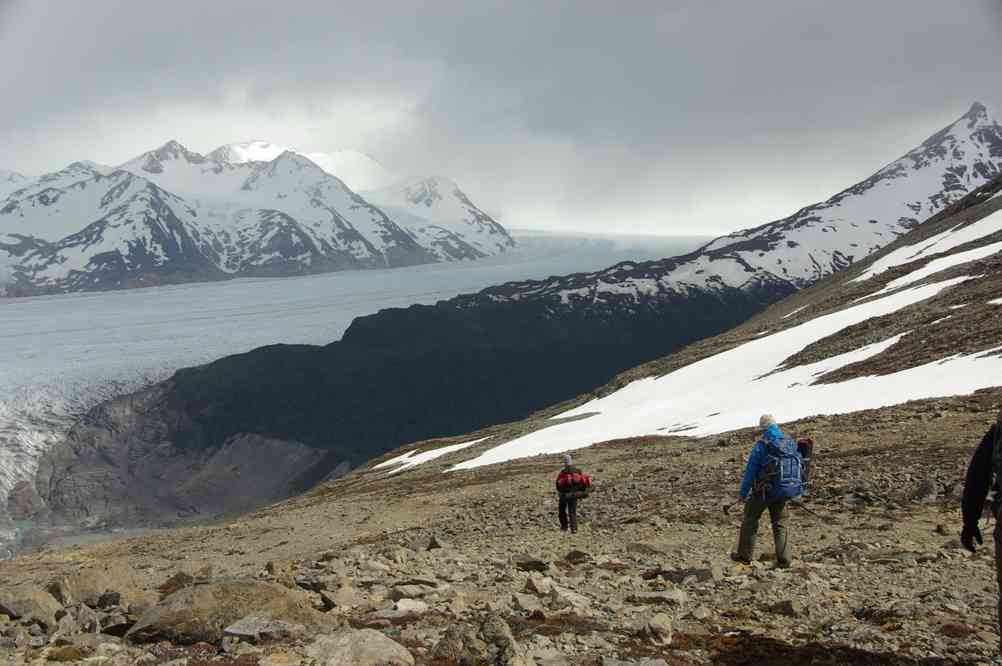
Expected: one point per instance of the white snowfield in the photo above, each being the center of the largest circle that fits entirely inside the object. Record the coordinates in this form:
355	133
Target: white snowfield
415	458
730	390
938	244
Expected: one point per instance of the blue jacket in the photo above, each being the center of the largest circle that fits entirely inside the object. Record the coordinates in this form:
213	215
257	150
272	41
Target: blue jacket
757	458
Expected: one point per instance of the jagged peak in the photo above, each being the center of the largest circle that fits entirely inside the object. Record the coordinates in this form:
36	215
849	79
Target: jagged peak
256	150
977	116
296	159
174	149
81	165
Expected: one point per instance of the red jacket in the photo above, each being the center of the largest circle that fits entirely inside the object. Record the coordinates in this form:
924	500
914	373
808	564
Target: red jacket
571	479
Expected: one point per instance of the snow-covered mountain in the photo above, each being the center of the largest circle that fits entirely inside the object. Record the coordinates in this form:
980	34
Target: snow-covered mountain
172	214
814	242
10	181
357	170
442	217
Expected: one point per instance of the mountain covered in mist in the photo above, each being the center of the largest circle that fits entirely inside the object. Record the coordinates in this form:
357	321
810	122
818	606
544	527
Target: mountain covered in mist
805	247
357	170
415	373
174	215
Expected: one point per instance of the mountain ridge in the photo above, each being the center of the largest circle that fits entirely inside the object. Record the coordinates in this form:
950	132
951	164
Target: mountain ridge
283	217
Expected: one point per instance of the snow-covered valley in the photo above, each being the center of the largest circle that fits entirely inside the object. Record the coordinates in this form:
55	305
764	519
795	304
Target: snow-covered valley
60	355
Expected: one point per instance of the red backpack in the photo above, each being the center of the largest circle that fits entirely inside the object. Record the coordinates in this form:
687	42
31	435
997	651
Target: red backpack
573	483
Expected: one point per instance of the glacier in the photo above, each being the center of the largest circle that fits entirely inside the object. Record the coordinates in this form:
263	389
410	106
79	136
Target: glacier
61	355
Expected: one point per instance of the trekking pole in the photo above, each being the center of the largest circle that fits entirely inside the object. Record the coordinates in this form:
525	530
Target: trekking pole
803	506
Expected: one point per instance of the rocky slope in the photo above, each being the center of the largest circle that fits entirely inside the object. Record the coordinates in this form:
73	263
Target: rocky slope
440	567
173	215
457	366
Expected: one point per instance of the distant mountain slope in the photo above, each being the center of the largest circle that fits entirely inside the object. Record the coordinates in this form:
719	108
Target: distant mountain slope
920	320
439	214
358	171
811	244
211	219
410	374
10	181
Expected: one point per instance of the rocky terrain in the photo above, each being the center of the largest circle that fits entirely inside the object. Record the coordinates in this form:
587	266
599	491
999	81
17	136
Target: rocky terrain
434	567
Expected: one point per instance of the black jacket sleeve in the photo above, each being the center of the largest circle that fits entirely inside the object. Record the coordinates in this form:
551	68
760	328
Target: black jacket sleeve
979	479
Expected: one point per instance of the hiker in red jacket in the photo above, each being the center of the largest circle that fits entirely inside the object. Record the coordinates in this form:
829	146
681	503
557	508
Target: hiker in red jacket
572	485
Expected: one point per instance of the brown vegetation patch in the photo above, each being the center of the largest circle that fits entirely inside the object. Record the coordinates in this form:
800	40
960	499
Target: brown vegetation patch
554	625
754	650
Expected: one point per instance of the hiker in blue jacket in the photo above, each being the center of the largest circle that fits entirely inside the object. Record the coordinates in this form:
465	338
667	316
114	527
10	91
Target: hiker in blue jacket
772	477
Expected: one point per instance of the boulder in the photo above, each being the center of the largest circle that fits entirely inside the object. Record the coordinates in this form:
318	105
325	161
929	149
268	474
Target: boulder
492	644
359	647
655	627
410	591
411	606
459	642
88	586
529	563
200	613
260	628
526	603
563	598
673	597
176	582
538	584
787	607
29	603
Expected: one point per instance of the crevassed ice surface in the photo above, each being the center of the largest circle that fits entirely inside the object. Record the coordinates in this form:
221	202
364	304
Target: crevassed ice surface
60	355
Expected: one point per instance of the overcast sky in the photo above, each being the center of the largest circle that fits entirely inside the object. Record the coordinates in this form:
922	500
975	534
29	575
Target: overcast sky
664	117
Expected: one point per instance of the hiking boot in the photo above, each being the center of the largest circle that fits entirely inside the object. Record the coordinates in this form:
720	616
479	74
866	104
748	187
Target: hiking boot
737	558
783	565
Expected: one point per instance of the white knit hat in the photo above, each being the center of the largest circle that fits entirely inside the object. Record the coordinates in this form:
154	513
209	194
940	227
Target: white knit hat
567	459
767	420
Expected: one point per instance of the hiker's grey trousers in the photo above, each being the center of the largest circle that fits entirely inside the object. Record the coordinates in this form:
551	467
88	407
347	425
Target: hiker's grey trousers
754	508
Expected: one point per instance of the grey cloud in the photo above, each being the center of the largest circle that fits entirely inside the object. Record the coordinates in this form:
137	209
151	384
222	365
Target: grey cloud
669	117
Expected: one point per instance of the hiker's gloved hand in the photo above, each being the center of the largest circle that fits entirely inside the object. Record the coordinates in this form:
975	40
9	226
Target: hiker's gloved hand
969	536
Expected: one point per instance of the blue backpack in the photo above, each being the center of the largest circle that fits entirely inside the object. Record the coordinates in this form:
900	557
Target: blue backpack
783	471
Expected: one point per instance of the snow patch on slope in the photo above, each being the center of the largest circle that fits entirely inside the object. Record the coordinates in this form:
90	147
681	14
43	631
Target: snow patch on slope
937	244
750	380
415	458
